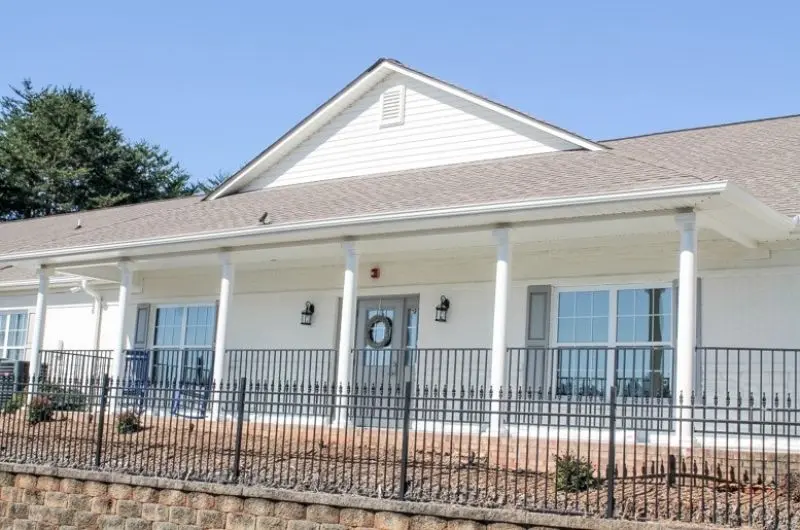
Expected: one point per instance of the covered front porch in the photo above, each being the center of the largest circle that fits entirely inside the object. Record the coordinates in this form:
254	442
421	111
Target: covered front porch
601	297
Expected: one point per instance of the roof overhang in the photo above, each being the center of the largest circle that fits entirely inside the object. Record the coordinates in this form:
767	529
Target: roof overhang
728	209
354	90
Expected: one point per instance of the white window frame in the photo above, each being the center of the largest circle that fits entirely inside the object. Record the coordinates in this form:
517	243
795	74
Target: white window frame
4	347
184	321
611	344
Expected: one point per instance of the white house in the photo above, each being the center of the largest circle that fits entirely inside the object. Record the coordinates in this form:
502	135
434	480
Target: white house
433	228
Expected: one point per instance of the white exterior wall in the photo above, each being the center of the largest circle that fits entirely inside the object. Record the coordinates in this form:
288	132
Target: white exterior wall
70	321
750	306
439	128
752	309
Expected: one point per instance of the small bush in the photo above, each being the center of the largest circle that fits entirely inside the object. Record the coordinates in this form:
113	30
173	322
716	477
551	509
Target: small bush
64	398
40	409
128	422
574	474
13	404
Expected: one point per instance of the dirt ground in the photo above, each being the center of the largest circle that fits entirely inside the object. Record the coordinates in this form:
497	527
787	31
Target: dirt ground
710	485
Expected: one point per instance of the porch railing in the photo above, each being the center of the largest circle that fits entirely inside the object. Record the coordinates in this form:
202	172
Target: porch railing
75	365
742	384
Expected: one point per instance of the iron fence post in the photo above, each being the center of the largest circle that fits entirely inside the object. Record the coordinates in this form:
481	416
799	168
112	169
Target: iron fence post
101	421
406	432
237	455
611	463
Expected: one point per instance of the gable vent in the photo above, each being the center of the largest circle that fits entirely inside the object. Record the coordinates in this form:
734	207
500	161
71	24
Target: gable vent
393	106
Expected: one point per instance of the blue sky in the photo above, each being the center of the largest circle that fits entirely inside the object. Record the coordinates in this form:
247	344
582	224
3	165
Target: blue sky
216	82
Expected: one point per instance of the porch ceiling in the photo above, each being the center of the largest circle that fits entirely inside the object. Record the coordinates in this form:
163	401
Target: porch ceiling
562	240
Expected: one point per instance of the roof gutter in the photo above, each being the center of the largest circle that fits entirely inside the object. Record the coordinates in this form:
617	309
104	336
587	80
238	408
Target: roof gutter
694	190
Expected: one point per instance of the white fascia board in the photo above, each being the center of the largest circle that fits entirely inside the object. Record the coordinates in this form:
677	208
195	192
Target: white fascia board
779	223
514	115
454	217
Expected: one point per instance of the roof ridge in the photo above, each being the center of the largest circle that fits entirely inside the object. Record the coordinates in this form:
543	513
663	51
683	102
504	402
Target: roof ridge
701	127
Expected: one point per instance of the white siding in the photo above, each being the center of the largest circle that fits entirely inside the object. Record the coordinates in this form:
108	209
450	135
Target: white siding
754	310
70	321
439	128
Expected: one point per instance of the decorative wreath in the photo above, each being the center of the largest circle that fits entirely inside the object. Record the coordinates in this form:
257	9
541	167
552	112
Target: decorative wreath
387	335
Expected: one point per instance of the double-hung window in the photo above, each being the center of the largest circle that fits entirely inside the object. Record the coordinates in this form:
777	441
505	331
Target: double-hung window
182	341
624	333
13	334
582	334
644	354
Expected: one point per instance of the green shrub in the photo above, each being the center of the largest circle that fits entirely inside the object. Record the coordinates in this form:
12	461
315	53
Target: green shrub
40	409
128	422
14	403
64	398
574	474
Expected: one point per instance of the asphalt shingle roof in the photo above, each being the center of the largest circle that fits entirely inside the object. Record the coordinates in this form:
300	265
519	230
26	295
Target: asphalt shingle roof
493	181
762	157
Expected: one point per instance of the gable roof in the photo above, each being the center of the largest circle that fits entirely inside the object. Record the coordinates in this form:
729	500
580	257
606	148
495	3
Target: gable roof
761	156
355	89
499	181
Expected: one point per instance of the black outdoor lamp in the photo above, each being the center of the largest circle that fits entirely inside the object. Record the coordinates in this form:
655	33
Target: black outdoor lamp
306	314
441	309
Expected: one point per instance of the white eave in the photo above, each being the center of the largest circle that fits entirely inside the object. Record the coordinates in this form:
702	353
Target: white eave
731	208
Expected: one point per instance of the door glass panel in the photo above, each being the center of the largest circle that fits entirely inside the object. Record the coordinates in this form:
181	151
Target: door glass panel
411	327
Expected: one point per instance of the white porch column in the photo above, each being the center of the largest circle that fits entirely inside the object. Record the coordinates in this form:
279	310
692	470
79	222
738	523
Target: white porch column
38	323
225	296
687	321
500	323
118	354
346	330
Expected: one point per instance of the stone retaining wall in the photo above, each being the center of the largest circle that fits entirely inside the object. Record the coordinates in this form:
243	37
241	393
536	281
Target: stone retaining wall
43	498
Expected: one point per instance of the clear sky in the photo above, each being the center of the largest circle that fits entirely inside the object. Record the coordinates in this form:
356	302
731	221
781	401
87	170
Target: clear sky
216	82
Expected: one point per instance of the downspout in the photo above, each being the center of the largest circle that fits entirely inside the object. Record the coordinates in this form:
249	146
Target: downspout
97	309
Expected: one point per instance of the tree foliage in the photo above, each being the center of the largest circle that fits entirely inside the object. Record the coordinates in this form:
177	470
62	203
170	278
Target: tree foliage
211	183
59	154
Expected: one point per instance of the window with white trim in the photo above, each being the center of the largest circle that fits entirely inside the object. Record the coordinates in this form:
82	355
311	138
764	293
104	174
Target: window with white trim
629	326
182	342
13	334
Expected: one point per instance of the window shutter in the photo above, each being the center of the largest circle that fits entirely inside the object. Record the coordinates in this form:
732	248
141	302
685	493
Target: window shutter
142	327
539	360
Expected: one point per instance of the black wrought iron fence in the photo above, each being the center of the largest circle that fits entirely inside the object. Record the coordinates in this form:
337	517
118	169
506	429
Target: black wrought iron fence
580	456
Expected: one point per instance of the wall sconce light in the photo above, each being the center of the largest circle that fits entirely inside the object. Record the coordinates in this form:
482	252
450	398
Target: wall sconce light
441	309
306	314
